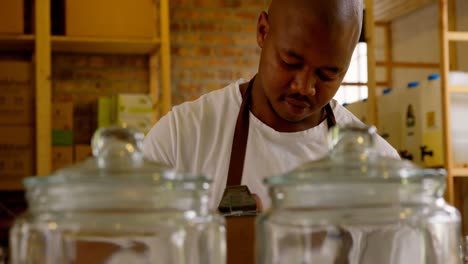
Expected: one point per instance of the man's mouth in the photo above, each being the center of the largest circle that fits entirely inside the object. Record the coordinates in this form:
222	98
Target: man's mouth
297	102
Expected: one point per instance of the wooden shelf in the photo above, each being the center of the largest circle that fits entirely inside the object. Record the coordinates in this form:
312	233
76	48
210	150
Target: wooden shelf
458	89
388	10
460	172
457	36
104	45
11	185
16	42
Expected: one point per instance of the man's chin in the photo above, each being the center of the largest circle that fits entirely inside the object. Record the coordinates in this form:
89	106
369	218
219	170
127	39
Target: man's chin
293	118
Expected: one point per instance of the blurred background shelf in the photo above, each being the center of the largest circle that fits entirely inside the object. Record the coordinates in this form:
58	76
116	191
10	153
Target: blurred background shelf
16	42
459	89
104	45
460	172
11	185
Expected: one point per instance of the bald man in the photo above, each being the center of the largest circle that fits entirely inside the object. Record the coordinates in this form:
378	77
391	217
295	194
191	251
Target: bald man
249	130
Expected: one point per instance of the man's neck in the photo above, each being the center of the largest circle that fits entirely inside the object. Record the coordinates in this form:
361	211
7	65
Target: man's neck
261	108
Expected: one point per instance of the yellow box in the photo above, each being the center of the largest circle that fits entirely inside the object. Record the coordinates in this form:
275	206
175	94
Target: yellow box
16	103
62	113
110	18
16	152
62	156
15	70
82	152
11	17
140	122
133	104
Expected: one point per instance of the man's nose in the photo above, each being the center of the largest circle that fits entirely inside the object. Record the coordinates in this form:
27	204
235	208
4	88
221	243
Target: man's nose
304	83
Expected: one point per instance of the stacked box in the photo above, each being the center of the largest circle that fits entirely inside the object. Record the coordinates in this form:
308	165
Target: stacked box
389	117
11	17
84	120
16	155
127	110
16	123
105	114
62	156
82	152
123	18
134	110
16	93
359	109
62	132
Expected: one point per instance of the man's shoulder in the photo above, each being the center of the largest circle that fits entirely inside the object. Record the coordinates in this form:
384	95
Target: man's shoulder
213	101
343	115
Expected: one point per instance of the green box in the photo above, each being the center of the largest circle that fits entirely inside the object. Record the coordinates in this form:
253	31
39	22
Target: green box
62	137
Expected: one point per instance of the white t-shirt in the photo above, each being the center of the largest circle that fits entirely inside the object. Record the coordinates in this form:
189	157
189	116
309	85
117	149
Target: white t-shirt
197	137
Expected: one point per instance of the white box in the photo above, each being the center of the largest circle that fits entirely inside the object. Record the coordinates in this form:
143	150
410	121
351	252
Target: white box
359	109
389	118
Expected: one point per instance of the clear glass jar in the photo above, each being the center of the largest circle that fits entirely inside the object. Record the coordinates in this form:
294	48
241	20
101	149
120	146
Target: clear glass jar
356	206
118	208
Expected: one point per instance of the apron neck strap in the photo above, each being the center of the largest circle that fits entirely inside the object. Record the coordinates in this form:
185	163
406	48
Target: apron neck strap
241	133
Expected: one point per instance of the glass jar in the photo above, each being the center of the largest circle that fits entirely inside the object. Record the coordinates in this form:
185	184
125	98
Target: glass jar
118	208
356	206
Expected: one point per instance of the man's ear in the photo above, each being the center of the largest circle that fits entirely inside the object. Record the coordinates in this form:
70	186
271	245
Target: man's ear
263	27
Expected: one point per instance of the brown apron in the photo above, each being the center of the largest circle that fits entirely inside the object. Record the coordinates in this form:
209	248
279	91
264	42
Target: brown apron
240	230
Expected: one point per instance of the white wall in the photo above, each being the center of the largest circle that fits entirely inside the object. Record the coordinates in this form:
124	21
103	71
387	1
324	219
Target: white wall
462	24
416	39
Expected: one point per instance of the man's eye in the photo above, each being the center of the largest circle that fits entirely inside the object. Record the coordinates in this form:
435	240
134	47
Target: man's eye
292	65
324	76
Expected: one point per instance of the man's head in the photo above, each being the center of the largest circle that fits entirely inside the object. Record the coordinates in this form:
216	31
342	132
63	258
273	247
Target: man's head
306	50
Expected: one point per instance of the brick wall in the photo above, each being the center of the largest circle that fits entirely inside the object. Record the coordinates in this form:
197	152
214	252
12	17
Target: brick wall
213	43
91	76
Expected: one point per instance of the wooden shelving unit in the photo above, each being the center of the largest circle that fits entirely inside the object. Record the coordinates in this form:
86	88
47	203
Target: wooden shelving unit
42	45
447	37
385	12
16	42
460	172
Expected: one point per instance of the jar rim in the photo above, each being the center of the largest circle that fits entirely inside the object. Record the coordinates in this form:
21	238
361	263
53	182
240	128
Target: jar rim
152	178
345	175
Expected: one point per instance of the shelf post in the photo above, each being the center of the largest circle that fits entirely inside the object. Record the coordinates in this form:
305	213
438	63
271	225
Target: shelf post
371	63
444	70
42	62
165	56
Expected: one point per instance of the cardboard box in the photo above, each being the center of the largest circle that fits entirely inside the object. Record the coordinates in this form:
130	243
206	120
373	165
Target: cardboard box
112	19
62	156
105	112
134	110
85	122
15	70
62	137
16	103
16	152
82	152
133	104
11	17
62	113
140	122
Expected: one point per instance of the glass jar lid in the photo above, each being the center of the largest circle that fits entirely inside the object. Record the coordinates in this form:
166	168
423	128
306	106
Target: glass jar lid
117	176
354	158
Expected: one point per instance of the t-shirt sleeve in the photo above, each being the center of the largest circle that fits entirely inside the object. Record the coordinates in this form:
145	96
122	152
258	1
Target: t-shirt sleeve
344	116
160	143
385	148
